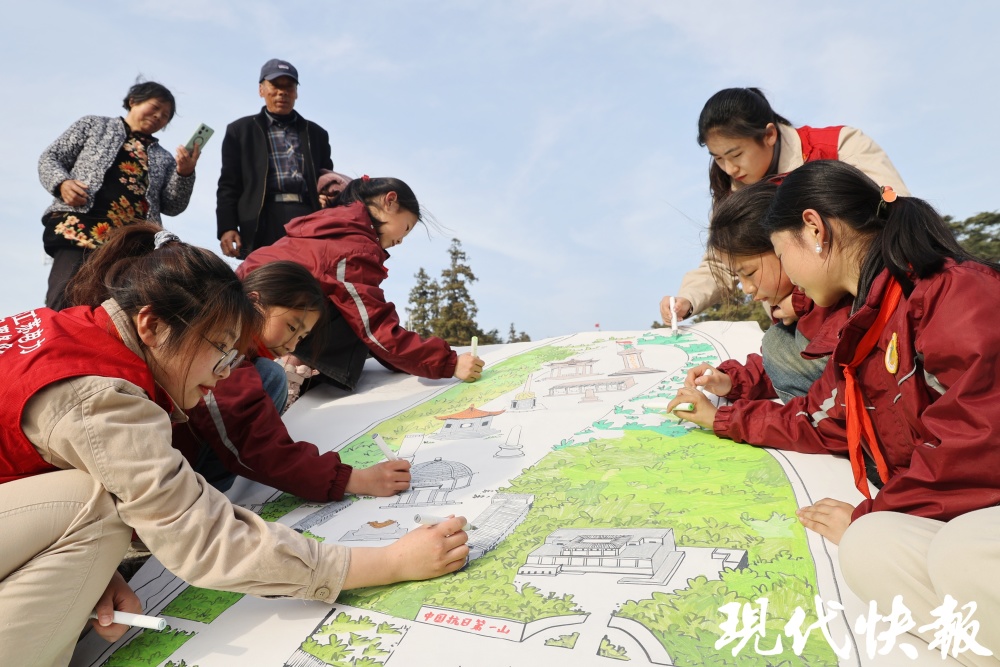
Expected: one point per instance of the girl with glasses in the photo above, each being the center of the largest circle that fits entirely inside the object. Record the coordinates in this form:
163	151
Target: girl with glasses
87	397
748	141
910	395
795	349
238	430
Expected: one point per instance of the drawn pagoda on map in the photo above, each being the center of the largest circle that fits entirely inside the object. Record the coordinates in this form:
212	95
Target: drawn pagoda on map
469	423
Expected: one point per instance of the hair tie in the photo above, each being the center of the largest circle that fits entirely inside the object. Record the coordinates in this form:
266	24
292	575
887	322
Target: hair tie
888	195
163	236
365	178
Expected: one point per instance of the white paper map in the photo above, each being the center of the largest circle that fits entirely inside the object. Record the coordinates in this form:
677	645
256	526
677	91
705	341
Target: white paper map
605	530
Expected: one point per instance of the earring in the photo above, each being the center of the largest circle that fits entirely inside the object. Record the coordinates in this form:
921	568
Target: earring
819	248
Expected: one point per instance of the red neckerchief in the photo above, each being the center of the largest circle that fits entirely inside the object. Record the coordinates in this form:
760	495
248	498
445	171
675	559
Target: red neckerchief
262	350
858	421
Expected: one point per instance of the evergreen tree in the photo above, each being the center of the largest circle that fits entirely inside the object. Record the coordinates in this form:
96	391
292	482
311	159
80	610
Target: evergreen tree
514	337
456	316
736	307
979	234
491	337
423	308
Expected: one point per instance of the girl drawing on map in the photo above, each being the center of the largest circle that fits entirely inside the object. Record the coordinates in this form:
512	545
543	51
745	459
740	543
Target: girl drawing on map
87	396
346	247
911	396
796	347
749	141
238	430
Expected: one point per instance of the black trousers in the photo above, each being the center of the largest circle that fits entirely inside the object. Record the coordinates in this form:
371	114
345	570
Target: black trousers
65	263
273	218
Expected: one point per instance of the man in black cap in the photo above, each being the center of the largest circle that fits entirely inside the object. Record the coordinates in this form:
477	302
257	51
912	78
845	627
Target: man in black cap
270	165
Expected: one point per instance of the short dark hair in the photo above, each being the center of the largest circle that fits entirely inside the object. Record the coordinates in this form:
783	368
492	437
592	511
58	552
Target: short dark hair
286	284
149	90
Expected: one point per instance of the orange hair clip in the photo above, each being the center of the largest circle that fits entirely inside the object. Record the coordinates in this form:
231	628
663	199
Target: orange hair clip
888	196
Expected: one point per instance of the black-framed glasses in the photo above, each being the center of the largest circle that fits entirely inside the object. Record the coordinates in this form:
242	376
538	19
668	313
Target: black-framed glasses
229	360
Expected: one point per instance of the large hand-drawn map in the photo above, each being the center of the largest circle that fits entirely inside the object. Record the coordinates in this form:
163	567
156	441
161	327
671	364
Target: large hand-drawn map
604	529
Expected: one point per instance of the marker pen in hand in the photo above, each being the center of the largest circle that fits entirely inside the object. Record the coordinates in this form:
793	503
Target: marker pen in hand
136	620
384	446
673	316
688	407
475	344
430	520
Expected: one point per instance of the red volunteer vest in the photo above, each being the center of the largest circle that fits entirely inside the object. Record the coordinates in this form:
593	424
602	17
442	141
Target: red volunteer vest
819	143
42	346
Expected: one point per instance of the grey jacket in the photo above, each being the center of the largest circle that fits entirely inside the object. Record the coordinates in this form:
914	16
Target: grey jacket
87	150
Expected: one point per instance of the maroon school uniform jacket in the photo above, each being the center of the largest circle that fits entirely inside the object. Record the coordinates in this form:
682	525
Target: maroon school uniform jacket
934	401
239	422
821	327
340	247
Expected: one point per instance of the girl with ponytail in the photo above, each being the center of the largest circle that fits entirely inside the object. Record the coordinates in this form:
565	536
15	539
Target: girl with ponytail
87	397
748	141
910	395
346	247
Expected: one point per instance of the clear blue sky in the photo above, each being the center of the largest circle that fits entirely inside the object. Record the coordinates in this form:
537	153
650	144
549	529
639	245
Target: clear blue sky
555	139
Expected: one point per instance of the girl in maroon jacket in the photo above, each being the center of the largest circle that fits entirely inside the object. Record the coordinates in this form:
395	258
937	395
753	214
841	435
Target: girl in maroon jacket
801	338
237	429
345	247
911	389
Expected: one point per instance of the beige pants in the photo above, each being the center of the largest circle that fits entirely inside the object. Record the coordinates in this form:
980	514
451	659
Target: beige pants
61	541
885	554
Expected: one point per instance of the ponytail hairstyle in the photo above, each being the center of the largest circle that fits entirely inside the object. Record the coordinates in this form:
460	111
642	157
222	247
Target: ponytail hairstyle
734	112
286	284
735	229
907	236
191	290
367	189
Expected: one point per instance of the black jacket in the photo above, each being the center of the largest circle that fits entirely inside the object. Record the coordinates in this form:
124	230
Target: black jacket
243	182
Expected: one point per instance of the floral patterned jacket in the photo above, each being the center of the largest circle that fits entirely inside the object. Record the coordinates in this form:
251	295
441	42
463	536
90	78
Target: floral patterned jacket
87	150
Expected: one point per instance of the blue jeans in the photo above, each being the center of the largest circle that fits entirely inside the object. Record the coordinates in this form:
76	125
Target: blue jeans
790	374
272	375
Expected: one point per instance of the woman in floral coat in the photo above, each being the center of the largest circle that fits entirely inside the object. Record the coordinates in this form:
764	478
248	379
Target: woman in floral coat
107	172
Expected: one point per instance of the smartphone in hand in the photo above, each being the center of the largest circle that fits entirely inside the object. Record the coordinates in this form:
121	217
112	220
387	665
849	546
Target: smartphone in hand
199	138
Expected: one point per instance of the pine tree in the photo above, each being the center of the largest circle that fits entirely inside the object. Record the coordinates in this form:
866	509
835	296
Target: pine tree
737	307
979	234
514	337
456	316
491	337
423	308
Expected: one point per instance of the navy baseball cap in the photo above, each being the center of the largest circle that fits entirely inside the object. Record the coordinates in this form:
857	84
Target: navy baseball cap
274	68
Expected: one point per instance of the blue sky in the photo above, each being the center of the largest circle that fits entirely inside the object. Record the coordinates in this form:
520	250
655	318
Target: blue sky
555	139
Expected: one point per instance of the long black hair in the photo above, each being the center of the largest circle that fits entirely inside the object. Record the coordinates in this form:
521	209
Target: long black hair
907	237
734	112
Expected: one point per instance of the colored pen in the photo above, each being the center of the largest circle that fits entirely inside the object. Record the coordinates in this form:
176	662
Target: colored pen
688	407
673	317
475	344
430	520
384	446
137	620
